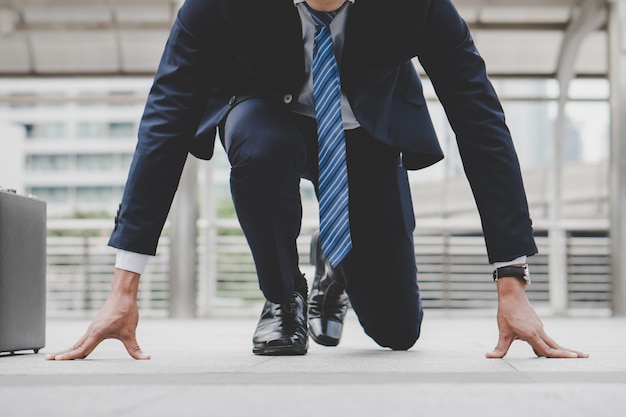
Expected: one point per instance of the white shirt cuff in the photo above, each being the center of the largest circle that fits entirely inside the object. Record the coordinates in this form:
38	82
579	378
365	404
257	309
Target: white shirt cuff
520	260
131	261
136	262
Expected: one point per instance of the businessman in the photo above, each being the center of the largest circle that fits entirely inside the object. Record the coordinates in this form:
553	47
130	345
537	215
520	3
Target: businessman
324	90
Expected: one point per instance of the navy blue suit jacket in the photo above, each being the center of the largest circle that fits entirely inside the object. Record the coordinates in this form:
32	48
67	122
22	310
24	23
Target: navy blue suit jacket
221	52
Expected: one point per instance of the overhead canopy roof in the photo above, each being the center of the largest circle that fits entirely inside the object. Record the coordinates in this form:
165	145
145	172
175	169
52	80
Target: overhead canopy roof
126	37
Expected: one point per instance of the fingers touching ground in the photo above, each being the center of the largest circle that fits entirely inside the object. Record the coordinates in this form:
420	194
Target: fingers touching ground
87	344
95	335
501	349
542	345
133	349
79	350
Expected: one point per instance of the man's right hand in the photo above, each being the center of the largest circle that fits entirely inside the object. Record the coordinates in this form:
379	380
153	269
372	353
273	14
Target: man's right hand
117	319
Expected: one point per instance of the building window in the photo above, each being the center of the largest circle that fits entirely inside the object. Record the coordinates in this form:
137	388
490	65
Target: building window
30	130
94	194
54	130
49	130
88	130
94	162
50	194
47	162
121	129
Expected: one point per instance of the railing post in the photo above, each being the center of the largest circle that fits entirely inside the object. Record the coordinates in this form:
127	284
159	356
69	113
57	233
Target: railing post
557	267
446	295
207	276
86	285
617	55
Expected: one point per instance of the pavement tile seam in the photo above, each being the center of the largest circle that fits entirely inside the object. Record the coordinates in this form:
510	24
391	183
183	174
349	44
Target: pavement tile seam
321	378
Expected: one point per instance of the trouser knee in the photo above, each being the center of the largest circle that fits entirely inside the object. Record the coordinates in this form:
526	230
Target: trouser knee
396	336
261	140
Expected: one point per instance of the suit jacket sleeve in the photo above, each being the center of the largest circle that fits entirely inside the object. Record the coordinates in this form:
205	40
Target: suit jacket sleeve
170	120
448	55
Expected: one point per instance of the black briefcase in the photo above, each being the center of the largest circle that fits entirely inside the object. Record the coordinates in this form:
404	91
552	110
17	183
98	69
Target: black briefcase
22	272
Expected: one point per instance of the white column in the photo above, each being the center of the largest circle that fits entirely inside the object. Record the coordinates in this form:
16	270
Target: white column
183	252
592	16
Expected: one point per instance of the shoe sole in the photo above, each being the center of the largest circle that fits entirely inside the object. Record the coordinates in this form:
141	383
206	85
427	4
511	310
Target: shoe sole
324	340
279	350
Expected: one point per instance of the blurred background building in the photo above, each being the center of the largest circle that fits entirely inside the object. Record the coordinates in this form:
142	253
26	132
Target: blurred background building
74	75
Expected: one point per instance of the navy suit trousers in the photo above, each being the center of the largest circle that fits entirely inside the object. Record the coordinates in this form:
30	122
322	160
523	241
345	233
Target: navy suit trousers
270	150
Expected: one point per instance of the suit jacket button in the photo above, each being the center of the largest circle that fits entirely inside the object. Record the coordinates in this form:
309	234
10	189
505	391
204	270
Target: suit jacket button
287	98
232	100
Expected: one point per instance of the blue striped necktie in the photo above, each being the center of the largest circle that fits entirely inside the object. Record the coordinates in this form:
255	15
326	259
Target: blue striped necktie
333	174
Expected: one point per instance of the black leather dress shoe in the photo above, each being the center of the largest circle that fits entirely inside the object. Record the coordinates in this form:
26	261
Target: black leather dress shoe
328	302
282	328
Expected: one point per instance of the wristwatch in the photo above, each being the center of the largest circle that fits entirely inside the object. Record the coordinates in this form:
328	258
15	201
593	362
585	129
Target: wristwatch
520	272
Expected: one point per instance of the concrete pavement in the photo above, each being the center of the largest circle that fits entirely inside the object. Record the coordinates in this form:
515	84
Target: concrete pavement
205	367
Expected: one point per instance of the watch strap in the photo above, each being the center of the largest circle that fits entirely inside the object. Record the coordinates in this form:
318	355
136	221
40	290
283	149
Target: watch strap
520	272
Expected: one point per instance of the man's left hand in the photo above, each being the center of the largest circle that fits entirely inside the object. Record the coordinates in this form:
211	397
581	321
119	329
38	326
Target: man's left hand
517	320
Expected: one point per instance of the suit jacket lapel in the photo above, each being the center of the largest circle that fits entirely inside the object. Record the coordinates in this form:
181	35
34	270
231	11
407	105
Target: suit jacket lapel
365	35
283	22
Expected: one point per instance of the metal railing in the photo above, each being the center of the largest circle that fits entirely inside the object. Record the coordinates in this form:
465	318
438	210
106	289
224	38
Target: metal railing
451	258
80	267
